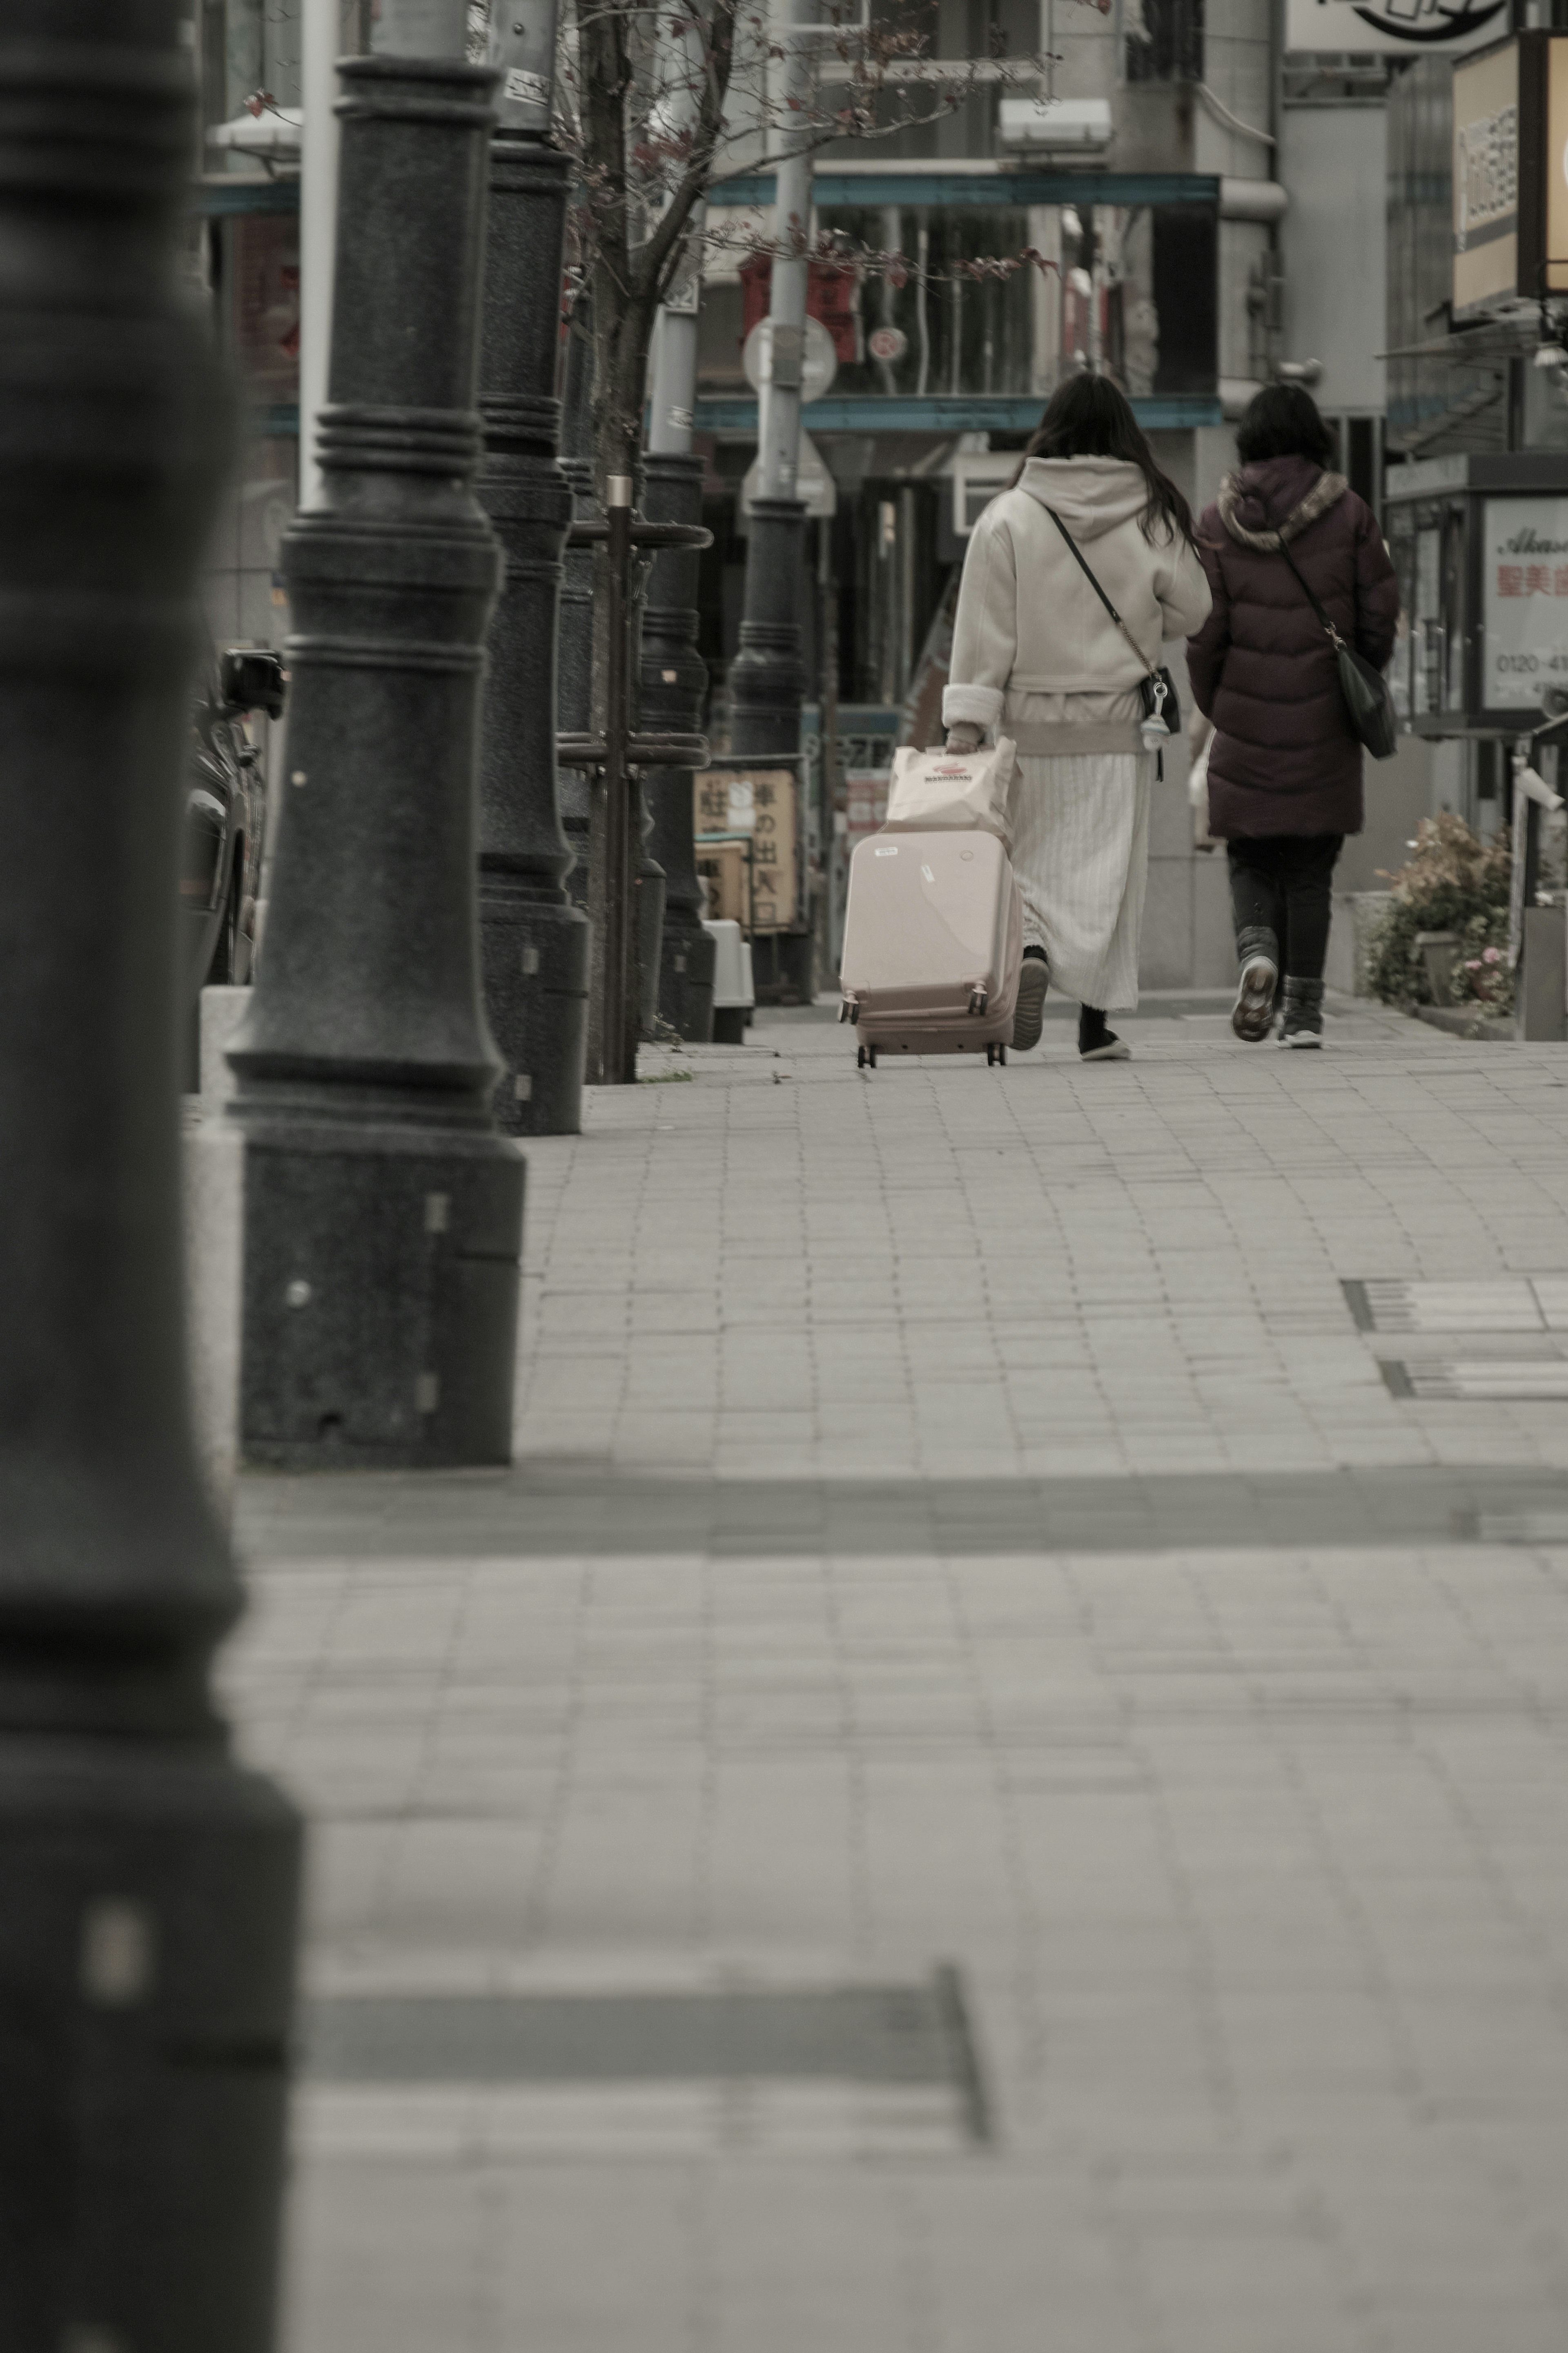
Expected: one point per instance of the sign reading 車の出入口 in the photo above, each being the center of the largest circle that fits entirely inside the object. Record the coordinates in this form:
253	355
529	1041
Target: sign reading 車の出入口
1524	601
760	807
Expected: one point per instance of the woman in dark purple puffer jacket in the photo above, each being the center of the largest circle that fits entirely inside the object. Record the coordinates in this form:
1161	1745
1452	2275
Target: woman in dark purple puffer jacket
1285	764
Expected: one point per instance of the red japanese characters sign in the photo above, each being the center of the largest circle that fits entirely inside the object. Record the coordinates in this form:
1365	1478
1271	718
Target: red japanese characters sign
1524	584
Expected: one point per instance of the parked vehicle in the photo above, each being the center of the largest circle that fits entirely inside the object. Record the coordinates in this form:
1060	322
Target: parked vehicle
224	816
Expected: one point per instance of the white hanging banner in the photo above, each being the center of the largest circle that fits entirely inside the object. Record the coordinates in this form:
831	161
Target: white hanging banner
1394	28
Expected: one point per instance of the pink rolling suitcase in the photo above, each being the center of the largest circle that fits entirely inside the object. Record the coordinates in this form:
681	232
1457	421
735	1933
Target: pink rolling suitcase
933	938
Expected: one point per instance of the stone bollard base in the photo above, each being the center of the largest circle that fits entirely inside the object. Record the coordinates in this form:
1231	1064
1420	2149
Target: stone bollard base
686	978
382	1267
1541	1014
535	957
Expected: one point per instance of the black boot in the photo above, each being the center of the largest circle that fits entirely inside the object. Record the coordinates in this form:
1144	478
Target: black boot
1096	1041
1253	1009
1301	1014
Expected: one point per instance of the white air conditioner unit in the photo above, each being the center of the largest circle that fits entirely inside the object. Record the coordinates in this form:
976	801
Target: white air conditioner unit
1069	125
977	476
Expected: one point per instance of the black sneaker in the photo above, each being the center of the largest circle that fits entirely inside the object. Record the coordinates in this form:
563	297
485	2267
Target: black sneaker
1096	1041
1029	1014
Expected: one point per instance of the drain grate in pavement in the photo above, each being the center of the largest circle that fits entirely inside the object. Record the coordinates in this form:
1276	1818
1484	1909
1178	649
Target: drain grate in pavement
1494	1380
898	2034
1502	1303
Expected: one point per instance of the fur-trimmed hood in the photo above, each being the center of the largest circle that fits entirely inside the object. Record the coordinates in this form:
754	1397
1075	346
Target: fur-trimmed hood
1277	499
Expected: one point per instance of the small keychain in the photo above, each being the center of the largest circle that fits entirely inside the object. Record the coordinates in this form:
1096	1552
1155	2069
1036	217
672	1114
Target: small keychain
1151	727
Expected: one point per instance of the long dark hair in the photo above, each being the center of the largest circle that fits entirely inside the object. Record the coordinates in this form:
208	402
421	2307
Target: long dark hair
1283	421
1087	417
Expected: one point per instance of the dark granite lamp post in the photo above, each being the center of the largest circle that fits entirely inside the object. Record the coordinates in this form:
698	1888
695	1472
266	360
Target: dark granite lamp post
576	632
674	684
384	1213
148	1912
535	942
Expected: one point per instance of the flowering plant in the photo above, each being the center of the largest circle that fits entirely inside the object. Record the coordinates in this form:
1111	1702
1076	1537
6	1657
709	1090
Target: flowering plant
1453	882
1483	974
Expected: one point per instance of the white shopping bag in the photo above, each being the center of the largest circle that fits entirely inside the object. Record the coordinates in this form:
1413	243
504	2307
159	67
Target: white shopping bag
1198	795
952	792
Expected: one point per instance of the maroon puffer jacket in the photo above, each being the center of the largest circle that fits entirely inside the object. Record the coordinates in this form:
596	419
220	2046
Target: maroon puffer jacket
1284	759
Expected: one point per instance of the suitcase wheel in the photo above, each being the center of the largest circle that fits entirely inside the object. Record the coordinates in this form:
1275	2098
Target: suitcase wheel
996	1055
859	1058
865	1058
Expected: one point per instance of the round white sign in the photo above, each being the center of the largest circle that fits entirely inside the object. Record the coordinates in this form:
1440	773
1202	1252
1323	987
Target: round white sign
819	361
887	344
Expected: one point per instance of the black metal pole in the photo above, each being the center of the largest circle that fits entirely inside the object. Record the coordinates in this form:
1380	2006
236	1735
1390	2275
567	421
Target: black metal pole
384	1213
148	1918
575	631
674	684
535	942
768	677
622	831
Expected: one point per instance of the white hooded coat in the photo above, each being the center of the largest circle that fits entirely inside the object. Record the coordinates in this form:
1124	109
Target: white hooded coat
1036	656
1034	652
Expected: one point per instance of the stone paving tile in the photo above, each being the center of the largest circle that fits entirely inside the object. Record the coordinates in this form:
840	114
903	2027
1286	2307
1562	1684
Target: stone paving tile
959	1521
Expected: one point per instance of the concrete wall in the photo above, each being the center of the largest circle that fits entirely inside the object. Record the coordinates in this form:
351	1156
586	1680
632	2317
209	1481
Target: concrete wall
1333	161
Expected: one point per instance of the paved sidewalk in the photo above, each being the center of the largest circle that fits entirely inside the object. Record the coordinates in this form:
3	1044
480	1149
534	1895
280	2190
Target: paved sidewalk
1027	1721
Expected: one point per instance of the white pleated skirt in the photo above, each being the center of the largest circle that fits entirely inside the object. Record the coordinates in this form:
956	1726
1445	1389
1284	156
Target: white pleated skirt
1081	851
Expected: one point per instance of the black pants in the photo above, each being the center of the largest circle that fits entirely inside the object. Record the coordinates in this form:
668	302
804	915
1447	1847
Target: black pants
1281	884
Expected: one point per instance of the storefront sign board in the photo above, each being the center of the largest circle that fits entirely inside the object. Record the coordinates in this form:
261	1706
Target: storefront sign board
1524	601
1397	28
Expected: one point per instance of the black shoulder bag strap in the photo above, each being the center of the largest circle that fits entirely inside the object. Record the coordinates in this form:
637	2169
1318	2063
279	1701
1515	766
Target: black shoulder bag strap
1159	682
1369	705
1088	573
1324	623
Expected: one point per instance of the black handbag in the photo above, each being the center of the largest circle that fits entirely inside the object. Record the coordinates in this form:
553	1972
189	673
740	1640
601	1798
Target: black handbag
1157	689
1369	702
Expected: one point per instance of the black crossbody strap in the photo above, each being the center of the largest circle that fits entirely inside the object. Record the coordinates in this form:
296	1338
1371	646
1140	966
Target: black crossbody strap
1323	618
1087	569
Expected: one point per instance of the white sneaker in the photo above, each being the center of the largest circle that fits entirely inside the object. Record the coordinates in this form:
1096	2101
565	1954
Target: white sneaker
1253	1009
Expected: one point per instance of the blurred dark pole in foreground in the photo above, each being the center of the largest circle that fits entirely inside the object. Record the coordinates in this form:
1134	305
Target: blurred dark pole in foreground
147	1885
383	1212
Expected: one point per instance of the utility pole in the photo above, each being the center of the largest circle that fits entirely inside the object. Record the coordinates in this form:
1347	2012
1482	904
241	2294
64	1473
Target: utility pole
319	43
674	675
535	942
383	1212
767	676
150	1883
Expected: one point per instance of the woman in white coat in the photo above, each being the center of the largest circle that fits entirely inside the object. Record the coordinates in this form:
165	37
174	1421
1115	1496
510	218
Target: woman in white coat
1036	656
